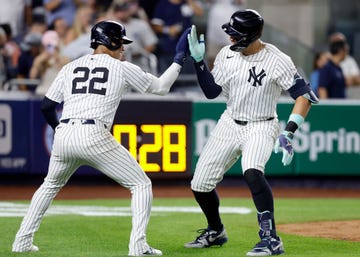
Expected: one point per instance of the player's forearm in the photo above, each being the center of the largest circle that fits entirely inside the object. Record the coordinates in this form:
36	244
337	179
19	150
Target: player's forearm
161	85
48	109
302	106
299	112
206	80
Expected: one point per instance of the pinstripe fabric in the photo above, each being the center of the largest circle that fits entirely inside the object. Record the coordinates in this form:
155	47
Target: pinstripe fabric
77	144
245	101
122	76
228	141
252	86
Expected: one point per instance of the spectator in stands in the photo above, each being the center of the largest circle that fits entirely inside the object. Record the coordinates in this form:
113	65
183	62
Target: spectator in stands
82	23
138	11
11	52
219	13
170	19
38	24
102	6
48	63
149	7
30	48
2	61
320	59
140	51
60	8
332	82
81	44
61	28
14	13
38	21
348	65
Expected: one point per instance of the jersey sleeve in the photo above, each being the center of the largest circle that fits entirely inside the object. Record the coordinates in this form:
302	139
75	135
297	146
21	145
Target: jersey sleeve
285	72
136	78
217	71
56	90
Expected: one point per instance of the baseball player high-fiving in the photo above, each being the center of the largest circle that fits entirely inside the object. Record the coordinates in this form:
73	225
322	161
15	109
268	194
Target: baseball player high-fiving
251	75
91	88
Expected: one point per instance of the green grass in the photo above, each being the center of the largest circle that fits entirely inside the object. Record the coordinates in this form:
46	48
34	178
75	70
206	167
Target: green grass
79	236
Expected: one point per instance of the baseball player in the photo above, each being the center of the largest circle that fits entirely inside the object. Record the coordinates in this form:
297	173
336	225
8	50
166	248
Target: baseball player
91	88
251	75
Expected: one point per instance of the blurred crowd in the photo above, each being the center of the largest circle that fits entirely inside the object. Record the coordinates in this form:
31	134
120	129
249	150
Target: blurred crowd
335	72
37	37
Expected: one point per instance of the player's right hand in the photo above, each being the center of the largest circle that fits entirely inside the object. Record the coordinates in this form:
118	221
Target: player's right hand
182	48
197	47
284	143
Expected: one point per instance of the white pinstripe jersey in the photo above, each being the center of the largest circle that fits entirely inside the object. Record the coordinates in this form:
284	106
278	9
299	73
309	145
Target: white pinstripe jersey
92	86
252	84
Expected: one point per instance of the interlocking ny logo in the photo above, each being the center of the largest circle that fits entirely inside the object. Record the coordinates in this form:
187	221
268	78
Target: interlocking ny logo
256	77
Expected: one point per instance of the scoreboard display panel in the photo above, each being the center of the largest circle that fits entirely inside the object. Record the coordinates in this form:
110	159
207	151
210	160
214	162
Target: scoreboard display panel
157	134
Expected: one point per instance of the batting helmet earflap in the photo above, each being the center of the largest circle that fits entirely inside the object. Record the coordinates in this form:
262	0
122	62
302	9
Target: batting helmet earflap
245	26
111	34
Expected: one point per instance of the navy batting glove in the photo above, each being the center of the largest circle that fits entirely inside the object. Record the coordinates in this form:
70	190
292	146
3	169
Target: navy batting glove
284	143
182	48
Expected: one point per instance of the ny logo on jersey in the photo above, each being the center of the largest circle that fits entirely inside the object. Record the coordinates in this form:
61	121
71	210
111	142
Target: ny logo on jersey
256	77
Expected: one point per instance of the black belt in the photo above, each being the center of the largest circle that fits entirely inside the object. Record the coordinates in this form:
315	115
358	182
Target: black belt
82	121
245	122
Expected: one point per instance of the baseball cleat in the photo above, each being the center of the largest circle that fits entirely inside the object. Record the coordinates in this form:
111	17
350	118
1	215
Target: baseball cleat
267	247
150	252
208	238
31	248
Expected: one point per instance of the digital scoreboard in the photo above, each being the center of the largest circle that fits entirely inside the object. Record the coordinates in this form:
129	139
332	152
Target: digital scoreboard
157	134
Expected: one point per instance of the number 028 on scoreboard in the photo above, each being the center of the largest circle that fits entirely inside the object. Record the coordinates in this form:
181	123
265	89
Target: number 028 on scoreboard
157	147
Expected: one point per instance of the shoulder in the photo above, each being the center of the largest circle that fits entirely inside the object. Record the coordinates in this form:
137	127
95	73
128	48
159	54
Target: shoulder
131	69
77	61
349	62
225	51
277	54
328	68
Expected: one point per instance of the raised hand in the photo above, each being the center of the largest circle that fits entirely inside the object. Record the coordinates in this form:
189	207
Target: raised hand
182	48
197	47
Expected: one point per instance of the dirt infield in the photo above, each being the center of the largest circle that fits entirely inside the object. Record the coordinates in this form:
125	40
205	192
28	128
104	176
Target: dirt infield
344	230
114	191
341	230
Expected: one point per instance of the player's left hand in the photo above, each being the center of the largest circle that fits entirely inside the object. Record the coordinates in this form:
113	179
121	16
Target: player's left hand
284	143
182	48
197	47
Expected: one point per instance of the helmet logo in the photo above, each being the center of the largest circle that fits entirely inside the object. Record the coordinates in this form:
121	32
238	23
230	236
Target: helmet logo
231	22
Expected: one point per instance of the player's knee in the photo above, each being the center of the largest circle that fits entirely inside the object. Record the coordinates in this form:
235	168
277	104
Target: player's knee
142	187
52	186
202	186
255	180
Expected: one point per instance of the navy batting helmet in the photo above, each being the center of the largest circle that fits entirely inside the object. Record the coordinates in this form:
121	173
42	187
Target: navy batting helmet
245	26
111	34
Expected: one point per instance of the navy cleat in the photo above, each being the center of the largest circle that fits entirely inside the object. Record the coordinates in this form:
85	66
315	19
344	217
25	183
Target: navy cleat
267	247
207	238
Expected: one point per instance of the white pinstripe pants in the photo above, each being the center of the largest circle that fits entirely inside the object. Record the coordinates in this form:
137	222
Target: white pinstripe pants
254	142
87	144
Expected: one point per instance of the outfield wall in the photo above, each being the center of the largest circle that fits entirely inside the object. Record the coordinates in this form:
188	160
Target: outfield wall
167	134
